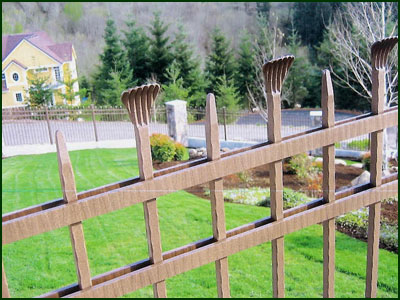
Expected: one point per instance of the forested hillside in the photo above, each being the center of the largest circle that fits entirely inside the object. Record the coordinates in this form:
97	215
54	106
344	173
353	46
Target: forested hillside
194	48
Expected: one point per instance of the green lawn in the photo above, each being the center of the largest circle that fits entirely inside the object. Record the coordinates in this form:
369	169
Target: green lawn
45	262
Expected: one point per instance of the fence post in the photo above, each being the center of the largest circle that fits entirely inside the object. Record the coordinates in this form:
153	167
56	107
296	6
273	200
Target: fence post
177	121
379	55
68	186
274	73
216	195
328	186
94	123
48	124
224	114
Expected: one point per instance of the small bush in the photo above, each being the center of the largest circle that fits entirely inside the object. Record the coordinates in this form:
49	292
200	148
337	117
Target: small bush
181	153
359	144
162	147
366	161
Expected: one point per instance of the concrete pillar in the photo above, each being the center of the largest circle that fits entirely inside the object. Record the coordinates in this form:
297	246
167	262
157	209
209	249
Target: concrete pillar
177	121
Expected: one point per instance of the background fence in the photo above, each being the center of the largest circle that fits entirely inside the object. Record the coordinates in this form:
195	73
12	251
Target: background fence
24	126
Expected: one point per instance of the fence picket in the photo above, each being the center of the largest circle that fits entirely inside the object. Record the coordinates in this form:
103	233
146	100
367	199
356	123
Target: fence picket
4	285
274	74
328	186
216	195
379	55
138	102
76	230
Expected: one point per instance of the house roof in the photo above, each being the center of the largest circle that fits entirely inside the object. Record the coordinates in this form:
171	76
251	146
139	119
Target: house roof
60	52
15	62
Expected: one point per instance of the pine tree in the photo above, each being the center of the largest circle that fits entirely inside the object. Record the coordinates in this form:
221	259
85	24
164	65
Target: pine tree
228	95
245	76
174	90
39	91
298	79
70	94
189	69
160	56
112	59
220	61
116	85
137	48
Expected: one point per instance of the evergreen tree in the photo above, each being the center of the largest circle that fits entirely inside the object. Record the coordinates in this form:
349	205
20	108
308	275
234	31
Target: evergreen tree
112	59
189	69
137	48
295	86
39	91
263	9
245	76
220	61
174	90
160	56
311	19
228	95
116	85
70	94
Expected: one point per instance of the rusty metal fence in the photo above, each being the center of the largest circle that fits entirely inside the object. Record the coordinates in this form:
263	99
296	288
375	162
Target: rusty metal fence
74	208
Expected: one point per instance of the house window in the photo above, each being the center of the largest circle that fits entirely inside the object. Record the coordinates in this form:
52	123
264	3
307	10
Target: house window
57	73
18	97
3	76
15	76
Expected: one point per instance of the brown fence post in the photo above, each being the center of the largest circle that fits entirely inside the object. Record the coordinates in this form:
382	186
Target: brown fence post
216	195
76	230
138	102
379	54
94	124
4	286
328	186
48	124
224	115
274	74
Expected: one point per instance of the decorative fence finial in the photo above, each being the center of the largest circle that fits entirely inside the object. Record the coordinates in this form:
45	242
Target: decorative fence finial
138	101
380	51
275	72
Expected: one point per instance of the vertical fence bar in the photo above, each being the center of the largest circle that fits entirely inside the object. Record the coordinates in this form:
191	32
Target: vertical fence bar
94	124
76	230
274	73
224	115
138	102
217	196
48	124
328	186
4	285
379	54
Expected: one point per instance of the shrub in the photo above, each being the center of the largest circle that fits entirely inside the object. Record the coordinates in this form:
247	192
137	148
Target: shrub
359	144
261	197
181	153
366	160
162	147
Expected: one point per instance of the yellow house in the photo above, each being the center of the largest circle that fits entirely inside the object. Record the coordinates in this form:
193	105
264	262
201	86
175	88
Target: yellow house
35	54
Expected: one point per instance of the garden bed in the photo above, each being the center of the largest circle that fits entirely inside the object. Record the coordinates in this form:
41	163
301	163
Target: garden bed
259	178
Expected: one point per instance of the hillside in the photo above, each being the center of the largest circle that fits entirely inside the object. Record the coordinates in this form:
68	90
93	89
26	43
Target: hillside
85	28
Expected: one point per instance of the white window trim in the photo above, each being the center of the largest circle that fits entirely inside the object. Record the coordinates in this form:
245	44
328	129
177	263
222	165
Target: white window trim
15	97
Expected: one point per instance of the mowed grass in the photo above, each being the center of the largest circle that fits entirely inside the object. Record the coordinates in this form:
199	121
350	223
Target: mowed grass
45	262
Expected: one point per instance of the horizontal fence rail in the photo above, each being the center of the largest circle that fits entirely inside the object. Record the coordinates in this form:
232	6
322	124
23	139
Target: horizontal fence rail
74	207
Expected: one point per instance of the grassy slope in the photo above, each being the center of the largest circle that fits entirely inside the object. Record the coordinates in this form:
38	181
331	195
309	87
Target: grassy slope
45	262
